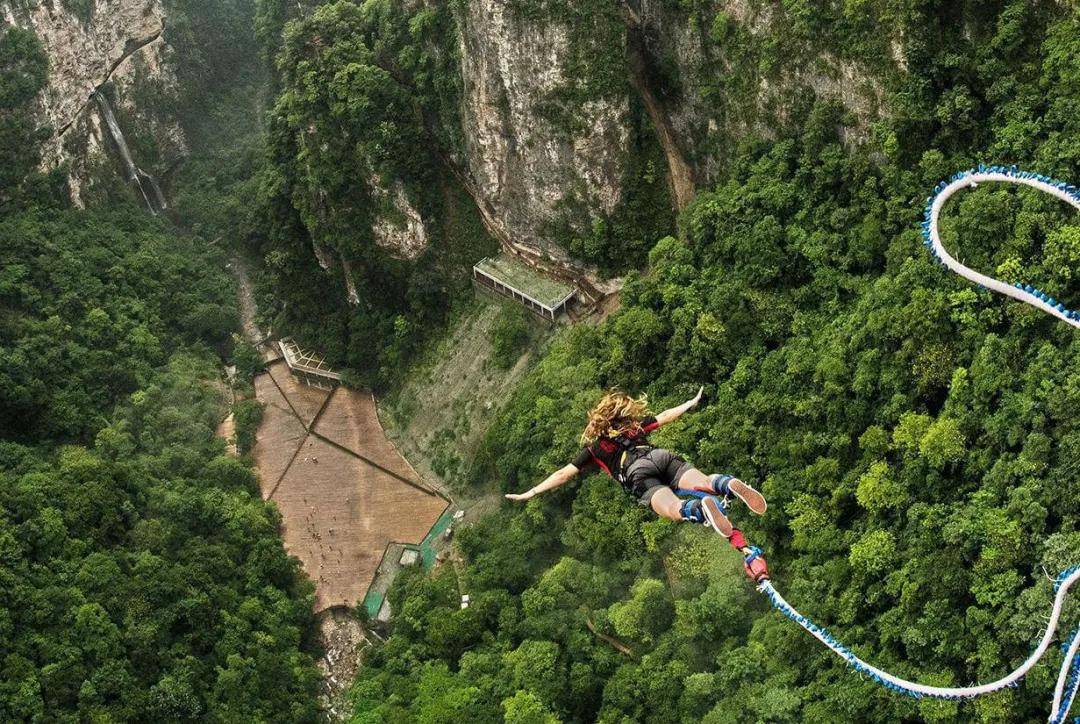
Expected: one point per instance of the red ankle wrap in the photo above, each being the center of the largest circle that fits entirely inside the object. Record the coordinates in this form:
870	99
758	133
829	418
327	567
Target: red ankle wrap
737	541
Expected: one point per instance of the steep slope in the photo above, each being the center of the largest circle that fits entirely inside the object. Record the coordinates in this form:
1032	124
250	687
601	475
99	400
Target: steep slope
119	44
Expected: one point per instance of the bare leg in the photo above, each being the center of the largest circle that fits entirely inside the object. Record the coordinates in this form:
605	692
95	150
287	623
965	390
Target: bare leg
694	479
666	504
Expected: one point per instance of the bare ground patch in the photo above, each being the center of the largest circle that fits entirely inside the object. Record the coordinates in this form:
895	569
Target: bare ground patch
227	432
276	442
343	490
305	401
344	641
339	513
350	419
440	416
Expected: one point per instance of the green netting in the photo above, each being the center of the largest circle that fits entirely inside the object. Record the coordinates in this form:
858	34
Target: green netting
373	600
513	273
427	551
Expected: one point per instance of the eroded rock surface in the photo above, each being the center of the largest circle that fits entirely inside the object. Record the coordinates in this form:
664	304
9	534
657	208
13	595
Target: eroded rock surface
119	43
526	169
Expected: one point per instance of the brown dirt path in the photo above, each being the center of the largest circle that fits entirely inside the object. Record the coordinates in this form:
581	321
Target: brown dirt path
245	291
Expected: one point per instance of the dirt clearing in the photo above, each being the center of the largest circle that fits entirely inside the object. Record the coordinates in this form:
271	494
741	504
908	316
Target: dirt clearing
343	490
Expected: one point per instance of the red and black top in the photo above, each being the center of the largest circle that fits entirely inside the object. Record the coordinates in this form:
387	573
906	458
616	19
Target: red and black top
605	452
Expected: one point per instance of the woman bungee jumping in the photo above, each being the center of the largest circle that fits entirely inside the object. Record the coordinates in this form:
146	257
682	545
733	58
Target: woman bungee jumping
616	441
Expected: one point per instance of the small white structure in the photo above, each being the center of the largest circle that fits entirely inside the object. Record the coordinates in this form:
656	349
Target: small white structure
465	600
308	367
541	294
409	557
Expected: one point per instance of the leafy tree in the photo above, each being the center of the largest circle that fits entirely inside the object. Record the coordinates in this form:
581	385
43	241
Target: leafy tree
509	336
526	708
247	414
24	71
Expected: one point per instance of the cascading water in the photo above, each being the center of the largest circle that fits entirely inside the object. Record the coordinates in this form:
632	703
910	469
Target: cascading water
146	184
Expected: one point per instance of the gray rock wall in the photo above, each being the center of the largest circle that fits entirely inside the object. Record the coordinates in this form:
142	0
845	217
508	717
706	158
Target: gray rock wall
120	42
529	172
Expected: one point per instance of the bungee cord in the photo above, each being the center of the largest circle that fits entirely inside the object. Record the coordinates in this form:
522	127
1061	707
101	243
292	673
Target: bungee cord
1068	682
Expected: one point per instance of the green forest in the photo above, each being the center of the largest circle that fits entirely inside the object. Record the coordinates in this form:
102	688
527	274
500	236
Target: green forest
917	437
143	577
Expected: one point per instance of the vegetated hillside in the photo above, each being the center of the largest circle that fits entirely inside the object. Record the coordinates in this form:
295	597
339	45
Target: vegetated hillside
917	437
143	578
143	572
441	413
370	234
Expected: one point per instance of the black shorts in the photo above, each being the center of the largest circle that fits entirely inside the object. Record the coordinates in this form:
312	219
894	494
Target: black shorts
657	469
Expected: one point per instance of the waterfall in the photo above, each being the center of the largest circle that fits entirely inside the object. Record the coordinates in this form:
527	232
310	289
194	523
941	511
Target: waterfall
144	182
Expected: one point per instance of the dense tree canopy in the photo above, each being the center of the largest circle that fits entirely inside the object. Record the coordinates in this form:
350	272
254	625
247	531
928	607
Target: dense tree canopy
141	573
93	304
916	436
122	596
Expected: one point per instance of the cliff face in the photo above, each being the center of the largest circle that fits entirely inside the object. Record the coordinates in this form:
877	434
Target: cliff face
696	75
529	170
400	228
728	86
579	129
117	46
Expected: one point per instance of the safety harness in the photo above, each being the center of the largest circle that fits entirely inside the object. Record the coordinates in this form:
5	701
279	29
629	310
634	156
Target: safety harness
630	455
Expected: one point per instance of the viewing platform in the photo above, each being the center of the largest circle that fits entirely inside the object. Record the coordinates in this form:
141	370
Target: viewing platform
539	293
309	367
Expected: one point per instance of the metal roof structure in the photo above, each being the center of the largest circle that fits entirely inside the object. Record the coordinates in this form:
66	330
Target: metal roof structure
512	278
310	367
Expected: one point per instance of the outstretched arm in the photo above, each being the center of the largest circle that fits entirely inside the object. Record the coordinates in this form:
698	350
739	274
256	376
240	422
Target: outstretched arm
557	478
676	412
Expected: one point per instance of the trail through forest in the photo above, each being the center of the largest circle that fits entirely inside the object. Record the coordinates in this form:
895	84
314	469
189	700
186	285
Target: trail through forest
246	295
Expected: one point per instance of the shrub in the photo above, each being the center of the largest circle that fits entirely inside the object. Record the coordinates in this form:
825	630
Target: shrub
247	415
509	336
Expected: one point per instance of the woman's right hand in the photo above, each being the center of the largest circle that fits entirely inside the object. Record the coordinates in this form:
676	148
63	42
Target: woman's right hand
519	496
697	397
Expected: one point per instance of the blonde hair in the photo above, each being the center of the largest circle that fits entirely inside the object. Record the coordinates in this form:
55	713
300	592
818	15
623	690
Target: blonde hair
616	412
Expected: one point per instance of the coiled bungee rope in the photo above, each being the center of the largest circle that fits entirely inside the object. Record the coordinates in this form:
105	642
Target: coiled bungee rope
1068	682
969	179
1068	679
